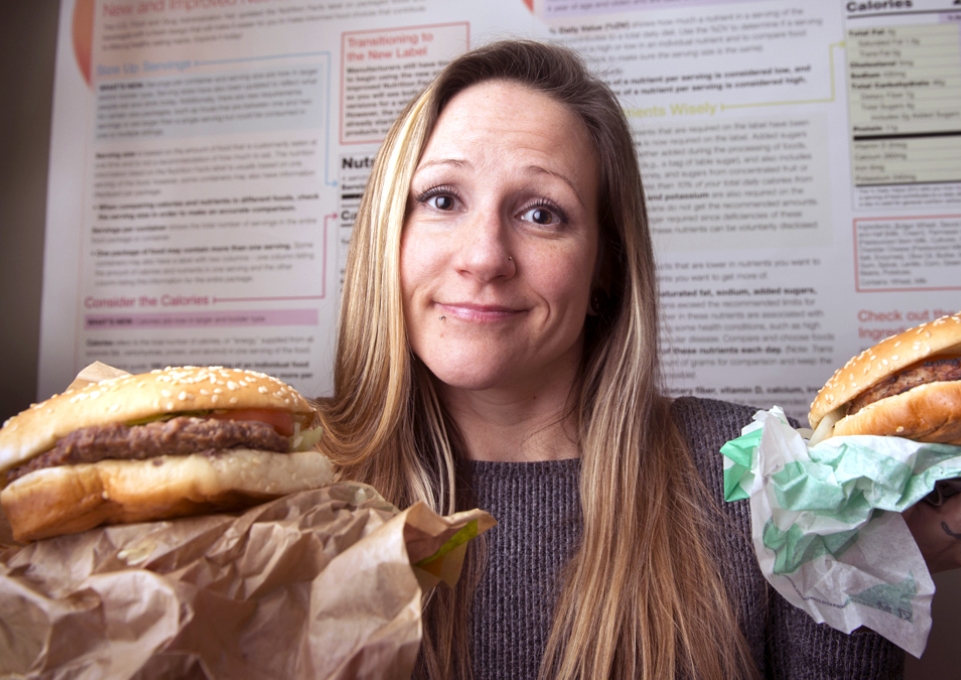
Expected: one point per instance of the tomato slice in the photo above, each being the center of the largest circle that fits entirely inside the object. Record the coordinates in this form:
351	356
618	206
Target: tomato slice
282	421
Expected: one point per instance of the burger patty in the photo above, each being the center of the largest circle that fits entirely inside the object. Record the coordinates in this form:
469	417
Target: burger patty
935	370
176	437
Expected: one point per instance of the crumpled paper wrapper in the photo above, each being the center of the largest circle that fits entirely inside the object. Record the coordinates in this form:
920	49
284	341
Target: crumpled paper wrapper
326	583
321	584
826	523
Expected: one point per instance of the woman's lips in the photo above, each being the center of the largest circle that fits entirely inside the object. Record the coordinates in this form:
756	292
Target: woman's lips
469	311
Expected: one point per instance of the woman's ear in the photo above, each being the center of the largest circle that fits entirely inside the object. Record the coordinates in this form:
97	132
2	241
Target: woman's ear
601	287
599	301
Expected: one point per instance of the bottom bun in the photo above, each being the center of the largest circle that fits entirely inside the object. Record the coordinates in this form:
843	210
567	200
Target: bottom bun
927	413
73	498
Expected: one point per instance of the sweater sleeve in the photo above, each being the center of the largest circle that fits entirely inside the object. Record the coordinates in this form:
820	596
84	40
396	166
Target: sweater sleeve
785	641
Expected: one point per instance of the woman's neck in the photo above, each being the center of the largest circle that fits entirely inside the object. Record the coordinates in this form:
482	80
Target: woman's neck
504	426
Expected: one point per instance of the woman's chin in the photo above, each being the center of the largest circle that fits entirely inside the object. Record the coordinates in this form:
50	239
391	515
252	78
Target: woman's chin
474	378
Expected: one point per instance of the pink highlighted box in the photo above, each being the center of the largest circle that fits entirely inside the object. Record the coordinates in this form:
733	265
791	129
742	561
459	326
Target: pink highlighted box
383	69
211	319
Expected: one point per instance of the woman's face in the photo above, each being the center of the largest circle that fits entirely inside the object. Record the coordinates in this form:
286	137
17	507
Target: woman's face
500	243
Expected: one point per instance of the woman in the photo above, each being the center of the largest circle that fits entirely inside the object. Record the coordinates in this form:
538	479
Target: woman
498	347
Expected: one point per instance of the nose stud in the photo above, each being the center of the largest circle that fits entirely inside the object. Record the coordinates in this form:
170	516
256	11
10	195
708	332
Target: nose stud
510	259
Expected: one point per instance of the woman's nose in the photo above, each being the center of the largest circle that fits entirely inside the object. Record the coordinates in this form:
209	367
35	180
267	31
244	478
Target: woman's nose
484	249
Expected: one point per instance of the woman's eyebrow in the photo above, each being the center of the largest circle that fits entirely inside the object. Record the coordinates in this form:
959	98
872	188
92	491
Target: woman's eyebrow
540	169
457	162
531	169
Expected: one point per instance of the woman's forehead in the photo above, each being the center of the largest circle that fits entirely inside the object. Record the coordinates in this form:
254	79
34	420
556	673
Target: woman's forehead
501	121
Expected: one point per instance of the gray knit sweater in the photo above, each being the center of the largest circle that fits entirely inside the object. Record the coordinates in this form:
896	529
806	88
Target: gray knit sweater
539	524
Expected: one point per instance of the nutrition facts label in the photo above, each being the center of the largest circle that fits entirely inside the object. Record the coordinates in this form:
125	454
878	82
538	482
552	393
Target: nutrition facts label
905	104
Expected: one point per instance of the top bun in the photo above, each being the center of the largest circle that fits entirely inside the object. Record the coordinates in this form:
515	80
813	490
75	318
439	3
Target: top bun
885	359
133	397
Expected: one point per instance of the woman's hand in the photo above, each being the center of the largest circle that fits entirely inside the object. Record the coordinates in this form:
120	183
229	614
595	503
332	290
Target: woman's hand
937	531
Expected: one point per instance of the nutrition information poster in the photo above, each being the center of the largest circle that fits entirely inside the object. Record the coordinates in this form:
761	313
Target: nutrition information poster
801	166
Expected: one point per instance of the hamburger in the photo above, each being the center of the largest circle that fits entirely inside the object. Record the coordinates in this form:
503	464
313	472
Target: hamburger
908	385
169	443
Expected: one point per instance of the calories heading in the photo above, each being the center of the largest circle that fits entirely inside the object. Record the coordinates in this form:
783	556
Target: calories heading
165	300
877	5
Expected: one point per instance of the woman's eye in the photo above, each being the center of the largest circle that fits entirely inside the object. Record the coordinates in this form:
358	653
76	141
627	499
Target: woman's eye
541	215
438	198
441	202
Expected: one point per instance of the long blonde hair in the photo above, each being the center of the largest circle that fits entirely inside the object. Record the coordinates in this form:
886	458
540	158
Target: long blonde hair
643	597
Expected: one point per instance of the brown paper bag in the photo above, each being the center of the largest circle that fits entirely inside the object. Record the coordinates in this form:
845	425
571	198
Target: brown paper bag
318	584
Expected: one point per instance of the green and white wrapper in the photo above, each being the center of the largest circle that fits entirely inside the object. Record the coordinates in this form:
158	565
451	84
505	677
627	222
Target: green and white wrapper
826	523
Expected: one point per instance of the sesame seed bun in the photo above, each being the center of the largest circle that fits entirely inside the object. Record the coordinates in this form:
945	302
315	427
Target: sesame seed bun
929	412
67	498
72	498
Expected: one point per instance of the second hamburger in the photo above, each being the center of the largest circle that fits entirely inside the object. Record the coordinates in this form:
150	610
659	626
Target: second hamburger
908	385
